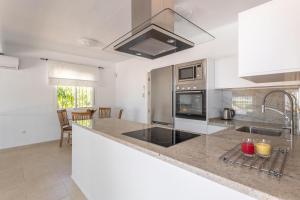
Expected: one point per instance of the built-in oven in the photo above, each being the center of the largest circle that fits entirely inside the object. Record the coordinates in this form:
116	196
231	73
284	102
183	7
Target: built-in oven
191	104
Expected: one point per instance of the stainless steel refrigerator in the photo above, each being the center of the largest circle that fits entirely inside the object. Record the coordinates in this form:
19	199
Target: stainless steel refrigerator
162	105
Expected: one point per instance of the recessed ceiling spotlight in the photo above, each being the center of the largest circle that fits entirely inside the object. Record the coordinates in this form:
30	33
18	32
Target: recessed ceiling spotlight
171	41
138	54
88	42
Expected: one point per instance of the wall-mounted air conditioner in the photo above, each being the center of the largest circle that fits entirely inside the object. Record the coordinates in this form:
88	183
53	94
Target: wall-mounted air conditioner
9	62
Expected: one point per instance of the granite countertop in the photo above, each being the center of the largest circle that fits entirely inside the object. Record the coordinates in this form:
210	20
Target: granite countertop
200	155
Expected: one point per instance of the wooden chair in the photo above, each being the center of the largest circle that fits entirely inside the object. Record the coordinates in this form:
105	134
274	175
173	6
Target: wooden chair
81	115
104	112
65	127
120	114
92	111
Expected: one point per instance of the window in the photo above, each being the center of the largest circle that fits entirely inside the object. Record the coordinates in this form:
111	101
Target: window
74	97
242	104
84	97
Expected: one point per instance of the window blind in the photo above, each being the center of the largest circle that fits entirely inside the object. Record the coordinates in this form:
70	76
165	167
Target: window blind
69	74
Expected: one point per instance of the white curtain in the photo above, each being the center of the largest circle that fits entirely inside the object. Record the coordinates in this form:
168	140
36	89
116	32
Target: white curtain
63	73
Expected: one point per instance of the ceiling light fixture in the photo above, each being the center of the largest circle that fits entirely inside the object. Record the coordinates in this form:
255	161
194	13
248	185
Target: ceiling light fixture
88	42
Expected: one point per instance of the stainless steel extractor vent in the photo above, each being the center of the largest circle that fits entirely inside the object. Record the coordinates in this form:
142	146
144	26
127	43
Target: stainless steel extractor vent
152	47
157	35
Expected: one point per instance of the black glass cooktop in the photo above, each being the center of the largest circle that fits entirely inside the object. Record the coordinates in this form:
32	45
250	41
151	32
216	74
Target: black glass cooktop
161	136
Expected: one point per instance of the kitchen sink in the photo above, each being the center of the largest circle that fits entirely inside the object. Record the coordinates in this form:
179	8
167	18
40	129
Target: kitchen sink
261	131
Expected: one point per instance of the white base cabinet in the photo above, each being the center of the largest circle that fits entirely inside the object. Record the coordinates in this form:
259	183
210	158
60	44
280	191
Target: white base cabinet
105	169
196	126
213	129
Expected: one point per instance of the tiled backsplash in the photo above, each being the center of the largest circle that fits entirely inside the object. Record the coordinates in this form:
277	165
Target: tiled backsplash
247	104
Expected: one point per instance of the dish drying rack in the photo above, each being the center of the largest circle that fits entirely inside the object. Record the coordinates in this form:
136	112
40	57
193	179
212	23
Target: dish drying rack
273	166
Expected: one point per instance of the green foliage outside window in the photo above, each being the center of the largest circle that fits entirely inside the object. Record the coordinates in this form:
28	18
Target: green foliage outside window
65	97
84	96
68	96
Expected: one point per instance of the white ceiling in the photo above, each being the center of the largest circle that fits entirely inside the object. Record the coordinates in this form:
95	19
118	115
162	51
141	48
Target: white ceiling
58	24
210	14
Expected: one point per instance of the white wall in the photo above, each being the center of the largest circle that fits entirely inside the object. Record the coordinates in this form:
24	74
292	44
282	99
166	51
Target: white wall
131	84
27	102
105	93
1	40
132	73
226	74
27	108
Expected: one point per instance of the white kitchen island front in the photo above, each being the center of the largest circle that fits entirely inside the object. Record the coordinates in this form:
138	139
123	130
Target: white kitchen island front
107	169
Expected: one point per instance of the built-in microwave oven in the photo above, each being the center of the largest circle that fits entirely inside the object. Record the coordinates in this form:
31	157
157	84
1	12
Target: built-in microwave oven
190	73
191	76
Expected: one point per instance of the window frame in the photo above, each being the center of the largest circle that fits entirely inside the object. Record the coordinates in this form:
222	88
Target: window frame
75	97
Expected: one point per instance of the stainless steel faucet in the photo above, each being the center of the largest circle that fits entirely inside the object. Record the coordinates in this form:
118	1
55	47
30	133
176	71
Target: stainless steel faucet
292	121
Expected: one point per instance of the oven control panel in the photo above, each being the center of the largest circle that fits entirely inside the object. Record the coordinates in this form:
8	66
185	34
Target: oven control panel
188	87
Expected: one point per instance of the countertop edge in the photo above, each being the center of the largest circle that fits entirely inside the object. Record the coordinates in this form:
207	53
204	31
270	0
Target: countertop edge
195	170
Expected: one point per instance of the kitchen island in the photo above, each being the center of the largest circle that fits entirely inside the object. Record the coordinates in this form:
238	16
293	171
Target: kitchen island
111	166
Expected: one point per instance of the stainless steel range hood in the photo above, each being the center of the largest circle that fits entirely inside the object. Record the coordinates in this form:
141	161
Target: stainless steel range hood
157	30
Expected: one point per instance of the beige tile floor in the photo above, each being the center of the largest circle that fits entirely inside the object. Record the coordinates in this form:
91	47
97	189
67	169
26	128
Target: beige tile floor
37	172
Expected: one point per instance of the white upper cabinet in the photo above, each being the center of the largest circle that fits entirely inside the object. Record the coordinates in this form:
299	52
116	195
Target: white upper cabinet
226	76
269	39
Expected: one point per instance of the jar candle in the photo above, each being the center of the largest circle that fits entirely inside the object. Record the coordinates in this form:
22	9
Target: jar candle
247	147
263	148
